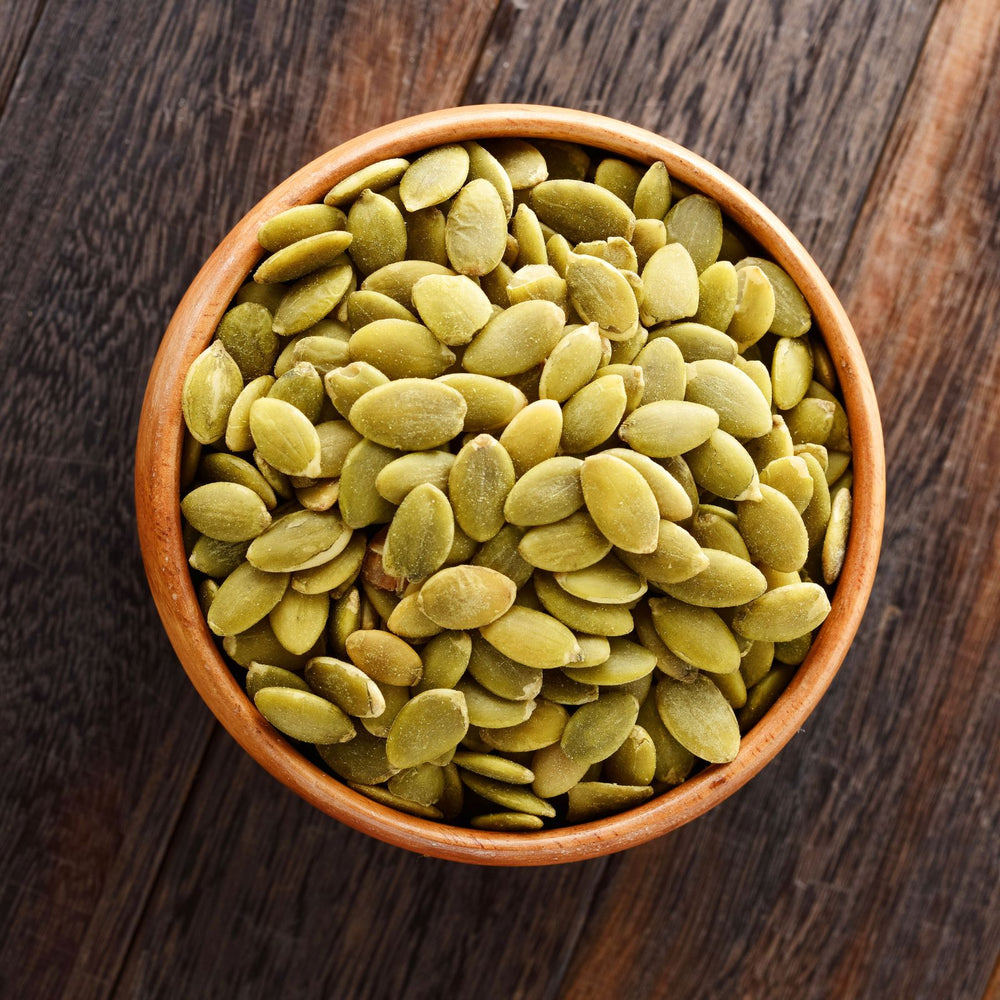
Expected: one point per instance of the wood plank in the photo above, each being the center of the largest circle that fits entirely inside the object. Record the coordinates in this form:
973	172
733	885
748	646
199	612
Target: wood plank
864	863
793	99
262	894
108	216
19	19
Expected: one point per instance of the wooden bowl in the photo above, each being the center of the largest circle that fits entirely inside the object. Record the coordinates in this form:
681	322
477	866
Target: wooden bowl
158	471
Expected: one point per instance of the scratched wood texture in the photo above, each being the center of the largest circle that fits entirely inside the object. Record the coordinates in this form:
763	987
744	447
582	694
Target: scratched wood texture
144	855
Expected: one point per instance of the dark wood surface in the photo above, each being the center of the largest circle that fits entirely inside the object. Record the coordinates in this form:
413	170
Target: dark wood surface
144	855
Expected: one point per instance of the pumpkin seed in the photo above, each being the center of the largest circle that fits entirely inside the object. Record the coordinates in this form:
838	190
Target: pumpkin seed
425	236
401	349
502	676
580	614
572	543
434	177
210	390
490	710
591	800
215	558
835	539
652	194
718	292
664	375
385	657
500	554
555	773
428	725
548	492
666	661
532	638
773	530
302	387
515	340
726	582
262	675
558	688
299	620
311	298
386	798
299	540
791	312
791	371
445	660
668	427
592	414
533	435
453	307
349	688
696	223
303	716
563	159
346	385
238	436
245	332
376	176
299	223
537	281
606	582
330	576
677	557
755	305
627	662
285	437
480	479
360	503
227	512
491	766
762	696
410	414
581	211
401	475
670	285
743	411
245	597
698	716
303	256
724	467
783	613
395	697
648	237
483	164
378	230
600	294
420	535
596	730
508	822
361	760
509	796
398	280
697	635
476	229
463	597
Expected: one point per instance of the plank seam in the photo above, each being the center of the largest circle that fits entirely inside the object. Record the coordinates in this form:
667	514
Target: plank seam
19	62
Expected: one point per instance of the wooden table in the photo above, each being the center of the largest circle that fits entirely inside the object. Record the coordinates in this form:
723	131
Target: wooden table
145	855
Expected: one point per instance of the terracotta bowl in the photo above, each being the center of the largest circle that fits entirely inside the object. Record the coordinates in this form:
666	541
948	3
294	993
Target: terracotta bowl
157	488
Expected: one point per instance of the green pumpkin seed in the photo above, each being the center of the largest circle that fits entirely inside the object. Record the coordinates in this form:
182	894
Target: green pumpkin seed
364	306
537	281
649	236
301	386
378	230
298	620
408	622
245	332
360	503
606	582
572	363
838	466
558	688
401	349
600	294
395	697
361	760
762	696
268	296
726	582
349	688
732	688
221	467
434	177
596	730
573	543
668	427
652	194
543	728
495	285
502	676
497	768
783	613
397	280
791	312
410	414
386	798
303	716
304	256
483	164
500	553
673	761
491	403
696	223
453	307
258	644
791	371
713	531
697	635
667	662
591	800
835	539
618	176
227	512
245	597
376	176
724	467
634	762
324	353
335	573
285	437
395	481
420	535
743	411
592	414
698	342
532	638
427	726
777	443
463	597
529	236
810	421
580	614
480	479
533	435
555	773
581	211
506	795
698	716
718	292
238	436
507	822
755	304
489	710
476	229
385	657
311	298
214	558
627	662
677	557
299	223
670	285
563	159
299	540
664	374
515	340
211	387
548	492
262	675
756	662
816	516
522	161
789	475
445	660
671	498
773	530
621	503
346	385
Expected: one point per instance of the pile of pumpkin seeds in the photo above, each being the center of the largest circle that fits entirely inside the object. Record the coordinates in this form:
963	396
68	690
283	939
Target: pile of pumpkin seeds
515	481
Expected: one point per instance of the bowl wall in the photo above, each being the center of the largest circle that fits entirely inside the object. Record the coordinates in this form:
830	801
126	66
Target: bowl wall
157	478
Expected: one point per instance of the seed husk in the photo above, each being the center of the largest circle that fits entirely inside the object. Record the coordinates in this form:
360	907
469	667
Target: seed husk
548	492
532	638
783	614
211	387
668	427
227	512
743	411
385	657
697	635
299	540
476	229
726	582
533	435
480	479
303	715
596	730
420	535
401	349
600	294
515	340
698	716
427	726
773	530
670	285
349	688
573	543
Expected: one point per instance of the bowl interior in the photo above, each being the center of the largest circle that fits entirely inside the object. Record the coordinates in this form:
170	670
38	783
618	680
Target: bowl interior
158	477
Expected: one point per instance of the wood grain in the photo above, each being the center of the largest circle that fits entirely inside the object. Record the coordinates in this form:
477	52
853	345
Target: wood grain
793	99
168	124
18	21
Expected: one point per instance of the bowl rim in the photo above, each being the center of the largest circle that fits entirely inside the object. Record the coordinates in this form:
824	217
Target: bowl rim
157	484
